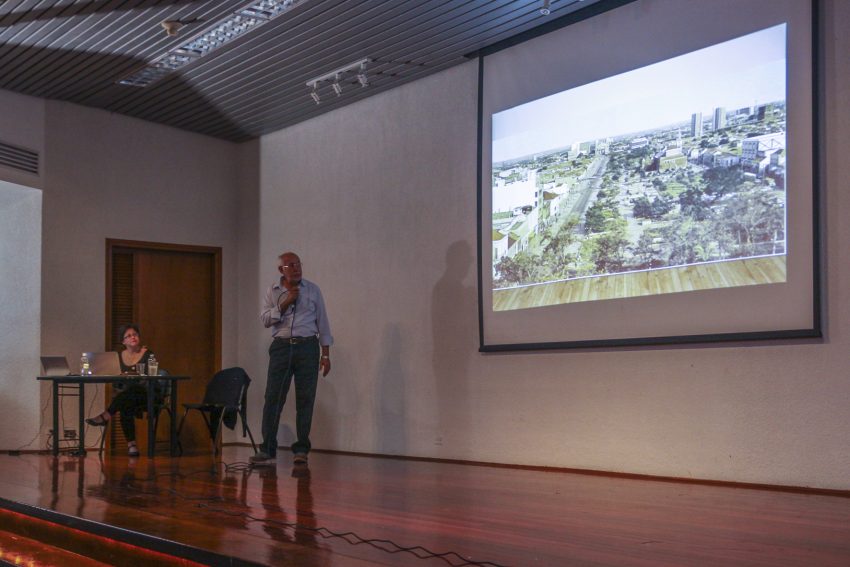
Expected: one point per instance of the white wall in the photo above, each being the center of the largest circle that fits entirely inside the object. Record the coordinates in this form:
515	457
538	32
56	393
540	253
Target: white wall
103	176
22	125
251	348
109	176
20	289
379	198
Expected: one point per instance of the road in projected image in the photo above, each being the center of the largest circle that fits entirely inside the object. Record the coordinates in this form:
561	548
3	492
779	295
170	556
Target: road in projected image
665	179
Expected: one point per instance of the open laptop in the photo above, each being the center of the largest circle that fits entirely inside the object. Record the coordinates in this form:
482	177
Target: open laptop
104	363
55	365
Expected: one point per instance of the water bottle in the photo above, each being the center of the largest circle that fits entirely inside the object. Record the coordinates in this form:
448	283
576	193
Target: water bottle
153	366
85	367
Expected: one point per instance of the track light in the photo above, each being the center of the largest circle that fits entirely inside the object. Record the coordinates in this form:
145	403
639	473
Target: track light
336	77
545	8
361	76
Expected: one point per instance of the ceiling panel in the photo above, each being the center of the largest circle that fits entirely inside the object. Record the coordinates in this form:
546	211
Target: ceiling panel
77	50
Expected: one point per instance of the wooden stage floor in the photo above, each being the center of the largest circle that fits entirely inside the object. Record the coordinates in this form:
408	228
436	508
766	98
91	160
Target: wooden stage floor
365	511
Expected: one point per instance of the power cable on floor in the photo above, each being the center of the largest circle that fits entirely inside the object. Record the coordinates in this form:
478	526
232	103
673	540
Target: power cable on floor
452	558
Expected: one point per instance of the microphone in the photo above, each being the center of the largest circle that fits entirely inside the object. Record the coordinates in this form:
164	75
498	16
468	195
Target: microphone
295	302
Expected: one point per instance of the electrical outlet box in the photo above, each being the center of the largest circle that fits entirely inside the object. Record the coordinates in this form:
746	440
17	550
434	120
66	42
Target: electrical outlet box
70	434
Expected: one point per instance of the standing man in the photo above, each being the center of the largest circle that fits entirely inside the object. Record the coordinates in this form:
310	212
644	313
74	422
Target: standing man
295	310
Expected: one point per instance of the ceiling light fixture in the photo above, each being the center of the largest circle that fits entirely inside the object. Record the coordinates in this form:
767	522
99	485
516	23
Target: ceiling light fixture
222	32
336	77
545	8
361	76
172	27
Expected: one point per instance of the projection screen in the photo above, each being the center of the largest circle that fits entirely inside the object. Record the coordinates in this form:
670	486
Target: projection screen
648	175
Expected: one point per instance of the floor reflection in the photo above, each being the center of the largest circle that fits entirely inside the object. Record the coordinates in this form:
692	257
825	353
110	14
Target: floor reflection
299	525
357	510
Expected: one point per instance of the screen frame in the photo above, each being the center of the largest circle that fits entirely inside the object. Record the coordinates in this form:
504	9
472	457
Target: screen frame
814	332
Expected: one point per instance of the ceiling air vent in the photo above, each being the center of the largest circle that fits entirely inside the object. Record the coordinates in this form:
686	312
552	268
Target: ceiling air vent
18	158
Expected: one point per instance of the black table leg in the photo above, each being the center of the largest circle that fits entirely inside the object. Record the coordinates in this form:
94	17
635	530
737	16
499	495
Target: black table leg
151	420
81	451
173	425
55	418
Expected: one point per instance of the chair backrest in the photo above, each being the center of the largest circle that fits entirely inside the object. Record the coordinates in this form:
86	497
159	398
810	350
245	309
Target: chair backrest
227	387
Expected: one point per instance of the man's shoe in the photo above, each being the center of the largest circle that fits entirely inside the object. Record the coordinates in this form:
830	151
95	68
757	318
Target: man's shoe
261	458
300	459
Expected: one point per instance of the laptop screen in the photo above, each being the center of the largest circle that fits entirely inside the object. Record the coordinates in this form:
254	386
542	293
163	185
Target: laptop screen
104	363
55	365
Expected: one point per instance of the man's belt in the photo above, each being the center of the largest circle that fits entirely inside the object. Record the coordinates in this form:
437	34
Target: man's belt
297	340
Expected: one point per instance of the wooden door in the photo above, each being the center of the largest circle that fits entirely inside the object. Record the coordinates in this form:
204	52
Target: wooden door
173	293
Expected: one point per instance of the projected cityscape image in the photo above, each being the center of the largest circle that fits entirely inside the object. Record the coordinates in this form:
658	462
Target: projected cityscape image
678	164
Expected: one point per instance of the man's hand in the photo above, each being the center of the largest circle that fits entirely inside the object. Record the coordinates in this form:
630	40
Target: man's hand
325	365
289	298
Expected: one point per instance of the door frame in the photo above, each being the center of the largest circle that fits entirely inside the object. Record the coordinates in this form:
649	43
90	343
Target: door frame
214	251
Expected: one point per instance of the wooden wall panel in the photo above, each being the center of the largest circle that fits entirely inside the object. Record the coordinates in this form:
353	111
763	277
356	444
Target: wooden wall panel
173	292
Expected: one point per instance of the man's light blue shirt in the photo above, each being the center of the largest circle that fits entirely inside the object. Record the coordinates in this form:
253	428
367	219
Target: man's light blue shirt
306	318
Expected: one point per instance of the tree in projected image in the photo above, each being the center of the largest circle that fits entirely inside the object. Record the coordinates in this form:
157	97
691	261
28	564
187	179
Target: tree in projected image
608	250
713	214
648	200
755	222
517	269
557	253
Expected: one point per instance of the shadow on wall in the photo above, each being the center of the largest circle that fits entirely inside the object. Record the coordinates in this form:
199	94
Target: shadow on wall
454	340
389	393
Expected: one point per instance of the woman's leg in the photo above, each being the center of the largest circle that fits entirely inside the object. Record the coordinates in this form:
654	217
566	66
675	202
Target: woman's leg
128	403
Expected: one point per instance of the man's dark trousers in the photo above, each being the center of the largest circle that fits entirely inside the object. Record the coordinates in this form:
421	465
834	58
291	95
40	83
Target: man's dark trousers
298	358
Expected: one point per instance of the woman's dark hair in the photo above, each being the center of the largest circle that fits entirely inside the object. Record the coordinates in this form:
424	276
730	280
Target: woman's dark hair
127	327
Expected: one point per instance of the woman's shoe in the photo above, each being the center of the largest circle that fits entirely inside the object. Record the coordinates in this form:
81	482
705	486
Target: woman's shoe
96	421
133	451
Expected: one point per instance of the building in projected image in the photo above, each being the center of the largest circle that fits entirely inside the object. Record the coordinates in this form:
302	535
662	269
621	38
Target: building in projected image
646	200
696	124
688	174
719	118
765	155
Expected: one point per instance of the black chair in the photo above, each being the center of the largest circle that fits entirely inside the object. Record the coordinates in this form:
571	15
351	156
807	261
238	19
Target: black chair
225	398
162	401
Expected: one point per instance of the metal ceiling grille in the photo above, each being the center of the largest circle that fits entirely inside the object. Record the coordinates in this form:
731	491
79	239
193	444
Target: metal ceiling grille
18	158
77	50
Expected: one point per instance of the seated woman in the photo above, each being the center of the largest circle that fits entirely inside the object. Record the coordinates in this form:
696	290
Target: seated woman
134	398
